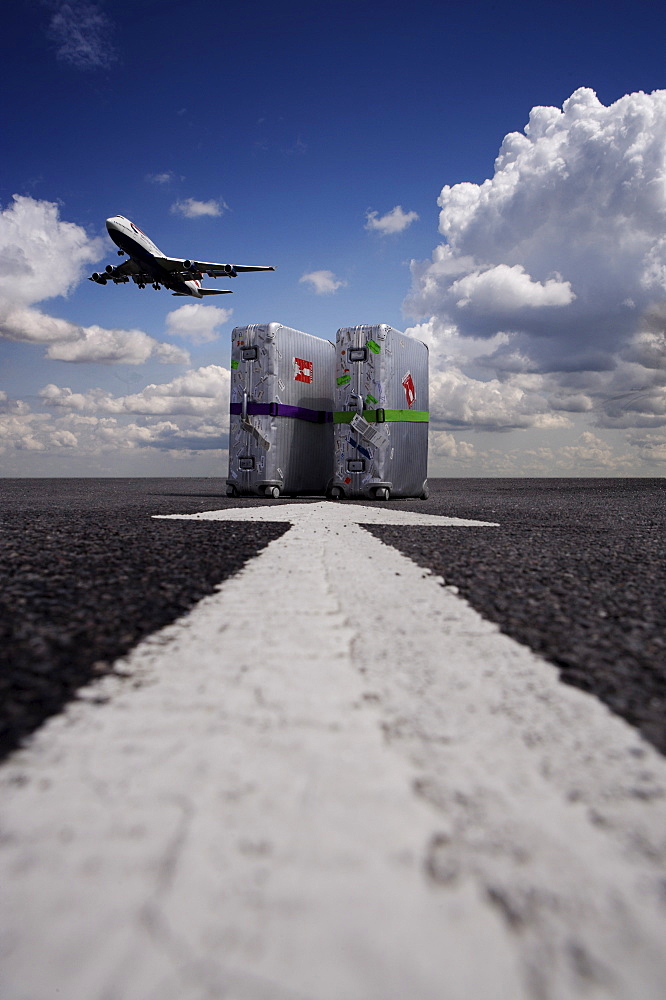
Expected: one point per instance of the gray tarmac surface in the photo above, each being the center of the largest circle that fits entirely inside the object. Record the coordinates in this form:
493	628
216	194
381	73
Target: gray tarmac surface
575	571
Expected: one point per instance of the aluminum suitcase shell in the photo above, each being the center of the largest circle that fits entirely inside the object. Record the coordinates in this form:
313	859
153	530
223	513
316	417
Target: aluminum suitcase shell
280	433
381	414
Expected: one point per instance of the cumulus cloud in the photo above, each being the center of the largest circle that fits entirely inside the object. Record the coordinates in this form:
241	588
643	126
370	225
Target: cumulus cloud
193	209
41	257
199	392
322	282
558	262
459	401
24	432
395	221
187	416
504	291
197	322
81	32
441	444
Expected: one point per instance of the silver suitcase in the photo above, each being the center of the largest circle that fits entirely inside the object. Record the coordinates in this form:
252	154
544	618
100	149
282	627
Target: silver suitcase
381	415
280	434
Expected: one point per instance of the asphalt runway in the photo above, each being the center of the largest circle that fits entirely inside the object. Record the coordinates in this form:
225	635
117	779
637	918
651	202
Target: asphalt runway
575	571
333	777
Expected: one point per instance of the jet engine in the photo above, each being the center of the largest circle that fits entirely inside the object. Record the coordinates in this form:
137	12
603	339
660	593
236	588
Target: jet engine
99	278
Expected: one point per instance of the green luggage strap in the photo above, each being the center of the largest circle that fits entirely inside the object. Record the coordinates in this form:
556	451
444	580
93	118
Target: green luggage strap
380	415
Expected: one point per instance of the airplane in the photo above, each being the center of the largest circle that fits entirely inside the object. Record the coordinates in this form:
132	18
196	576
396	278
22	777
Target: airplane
148	265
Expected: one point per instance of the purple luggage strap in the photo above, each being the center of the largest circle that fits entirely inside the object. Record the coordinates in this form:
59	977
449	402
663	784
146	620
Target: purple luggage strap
283	410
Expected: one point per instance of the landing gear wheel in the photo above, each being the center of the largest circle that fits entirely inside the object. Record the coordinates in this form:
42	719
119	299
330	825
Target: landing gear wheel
273	491
382	493
157	287
232	491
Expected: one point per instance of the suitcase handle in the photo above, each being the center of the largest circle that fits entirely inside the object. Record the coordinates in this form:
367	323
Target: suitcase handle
358	401
244	407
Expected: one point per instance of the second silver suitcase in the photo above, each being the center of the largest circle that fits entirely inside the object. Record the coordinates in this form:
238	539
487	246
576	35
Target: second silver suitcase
381	414
280	433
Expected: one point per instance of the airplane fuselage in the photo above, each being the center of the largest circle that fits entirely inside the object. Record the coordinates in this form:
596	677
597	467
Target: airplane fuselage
134	242
147	265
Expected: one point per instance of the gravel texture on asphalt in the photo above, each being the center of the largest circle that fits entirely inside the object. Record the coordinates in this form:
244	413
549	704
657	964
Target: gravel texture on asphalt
86	572
576	571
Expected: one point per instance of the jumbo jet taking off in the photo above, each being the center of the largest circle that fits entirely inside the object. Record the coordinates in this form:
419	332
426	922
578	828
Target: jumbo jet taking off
149	266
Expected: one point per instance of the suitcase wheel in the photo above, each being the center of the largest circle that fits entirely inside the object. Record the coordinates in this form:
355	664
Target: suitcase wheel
382	493
336	493
273	491
232	491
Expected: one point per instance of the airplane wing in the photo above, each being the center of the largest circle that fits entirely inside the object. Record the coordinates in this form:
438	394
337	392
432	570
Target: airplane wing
212	269
174	264
129	267
123	272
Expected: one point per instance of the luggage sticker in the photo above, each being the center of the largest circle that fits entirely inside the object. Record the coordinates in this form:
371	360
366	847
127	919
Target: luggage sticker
344	379
360	448
410	391
254	432
234	363
302	370
374	346
375	434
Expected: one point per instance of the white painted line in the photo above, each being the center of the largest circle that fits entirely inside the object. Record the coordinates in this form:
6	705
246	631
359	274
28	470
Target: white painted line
333	780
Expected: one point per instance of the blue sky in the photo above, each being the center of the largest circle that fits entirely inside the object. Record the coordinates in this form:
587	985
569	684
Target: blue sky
319	137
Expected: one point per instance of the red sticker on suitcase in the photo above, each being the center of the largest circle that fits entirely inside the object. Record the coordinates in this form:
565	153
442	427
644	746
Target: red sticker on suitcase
302	370
410	391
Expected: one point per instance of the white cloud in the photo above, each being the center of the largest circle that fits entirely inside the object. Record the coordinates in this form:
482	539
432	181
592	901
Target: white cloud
24	432
459	401
395	221
128	347
558	261
323	282
81	30
441	444
505	291
185	417
193	209
42	257
199	323
164	178
651	448
199	392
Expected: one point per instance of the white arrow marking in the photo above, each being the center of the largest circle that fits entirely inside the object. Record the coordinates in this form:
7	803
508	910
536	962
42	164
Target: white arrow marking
333	780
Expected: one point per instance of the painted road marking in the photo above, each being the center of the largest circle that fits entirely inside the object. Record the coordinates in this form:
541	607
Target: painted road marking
334	780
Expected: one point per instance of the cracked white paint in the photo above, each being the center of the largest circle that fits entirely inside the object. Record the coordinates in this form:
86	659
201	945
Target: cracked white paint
333	780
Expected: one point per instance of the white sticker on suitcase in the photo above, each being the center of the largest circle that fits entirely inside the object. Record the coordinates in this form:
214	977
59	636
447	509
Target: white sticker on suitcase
262	441
374	434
